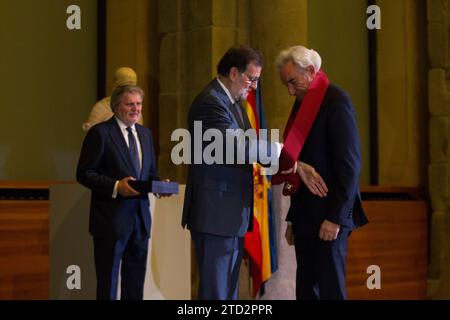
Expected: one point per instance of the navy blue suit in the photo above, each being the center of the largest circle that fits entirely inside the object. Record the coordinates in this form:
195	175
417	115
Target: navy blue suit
120	226
218	203
334	150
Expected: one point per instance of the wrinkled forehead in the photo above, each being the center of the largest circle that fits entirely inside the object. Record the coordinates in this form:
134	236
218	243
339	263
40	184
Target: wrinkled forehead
289	70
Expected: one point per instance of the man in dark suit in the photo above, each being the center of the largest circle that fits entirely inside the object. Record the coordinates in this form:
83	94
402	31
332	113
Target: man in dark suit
218	203
320	226
113	153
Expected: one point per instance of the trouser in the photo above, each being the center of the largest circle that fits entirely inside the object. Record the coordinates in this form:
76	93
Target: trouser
321	267
130	256
219	259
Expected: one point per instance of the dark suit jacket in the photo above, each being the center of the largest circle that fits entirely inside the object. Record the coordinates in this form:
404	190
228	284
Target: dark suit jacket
218	198
334	150
104	159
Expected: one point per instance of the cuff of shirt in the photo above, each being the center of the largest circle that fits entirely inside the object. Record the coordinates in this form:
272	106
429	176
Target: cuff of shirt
114	194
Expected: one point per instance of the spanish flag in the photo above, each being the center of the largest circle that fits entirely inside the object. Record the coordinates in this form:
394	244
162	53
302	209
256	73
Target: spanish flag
260	245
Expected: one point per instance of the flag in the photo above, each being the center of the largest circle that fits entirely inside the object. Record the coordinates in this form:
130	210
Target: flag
260	244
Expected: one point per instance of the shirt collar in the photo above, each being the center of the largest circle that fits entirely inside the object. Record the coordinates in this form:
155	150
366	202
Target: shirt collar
226	91
123	126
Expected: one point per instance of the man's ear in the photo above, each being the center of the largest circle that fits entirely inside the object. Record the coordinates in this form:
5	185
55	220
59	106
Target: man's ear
311	71
234	73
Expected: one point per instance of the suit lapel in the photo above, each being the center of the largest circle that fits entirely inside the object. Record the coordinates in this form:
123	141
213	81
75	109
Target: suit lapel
144	139
120	143
227	102
221	94
236	115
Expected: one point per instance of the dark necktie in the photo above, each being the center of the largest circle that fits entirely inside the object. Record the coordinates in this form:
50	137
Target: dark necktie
239	112
132	146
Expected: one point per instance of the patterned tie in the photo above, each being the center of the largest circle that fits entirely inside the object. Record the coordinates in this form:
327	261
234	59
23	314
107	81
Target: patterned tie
132	146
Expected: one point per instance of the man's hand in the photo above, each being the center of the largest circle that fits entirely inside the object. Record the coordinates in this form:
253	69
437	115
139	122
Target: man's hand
312	179
329	230
289	235
124	189
164	195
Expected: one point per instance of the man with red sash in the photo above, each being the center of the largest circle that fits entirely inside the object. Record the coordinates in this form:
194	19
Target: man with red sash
321	131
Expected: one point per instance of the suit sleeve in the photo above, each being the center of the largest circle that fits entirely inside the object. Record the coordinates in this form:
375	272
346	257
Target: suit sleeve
212	114
89	165
246	147
345	160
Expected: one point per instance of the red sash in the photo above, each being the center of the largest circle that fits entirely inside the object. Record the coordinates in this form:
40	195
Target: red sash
297	130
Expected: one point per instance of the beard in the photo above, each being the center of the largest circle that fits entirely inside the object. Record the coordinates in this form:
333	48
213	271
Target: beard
243	95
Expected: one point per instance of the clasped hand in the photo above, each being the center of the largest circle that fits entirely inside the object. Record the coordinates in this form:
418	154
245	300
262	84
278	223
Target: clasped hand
310	178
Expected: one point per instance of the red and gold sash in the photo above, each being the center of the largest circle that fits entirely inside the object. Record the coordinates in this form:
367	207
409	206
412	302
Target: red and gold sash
297	130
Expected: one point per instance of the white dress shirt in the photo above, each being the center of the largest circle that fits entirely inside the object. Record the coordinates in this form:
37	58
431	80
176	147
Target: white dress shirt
123	128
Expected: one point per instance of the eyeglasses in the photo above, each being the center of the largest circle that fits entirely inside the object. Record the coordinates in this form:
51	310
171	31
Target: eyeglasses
251	80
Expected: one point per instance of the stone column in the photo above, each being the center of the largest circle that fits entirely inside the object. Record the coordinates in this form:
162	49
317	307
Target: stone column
438	169
402	112
131	41
274	26
194	36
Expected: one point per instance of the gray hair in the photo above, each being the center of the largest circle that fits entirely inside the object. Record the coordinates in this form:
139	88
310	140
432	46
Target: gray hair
301	56
116	97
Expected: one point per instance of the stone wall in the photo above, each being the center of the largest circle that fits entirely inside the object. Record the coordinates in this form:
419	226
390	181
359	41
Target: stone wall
438	170
194	36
